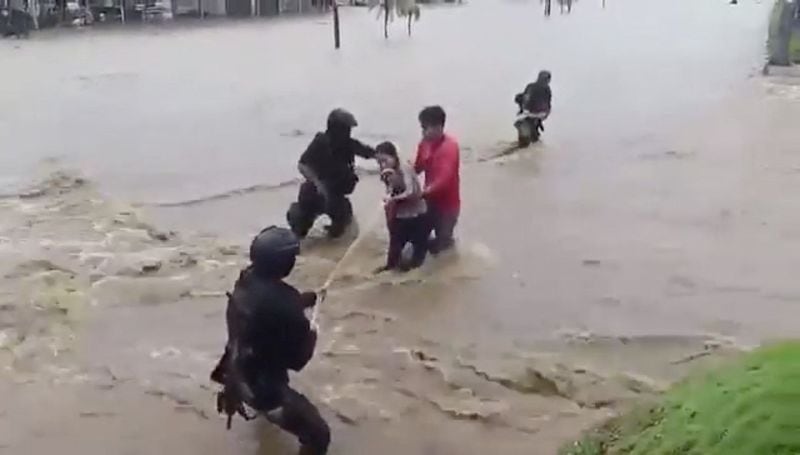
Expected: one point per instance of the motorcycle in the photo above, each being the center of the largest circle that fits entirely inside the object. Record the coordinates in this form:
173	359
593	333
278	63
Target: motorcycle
529	124
529	127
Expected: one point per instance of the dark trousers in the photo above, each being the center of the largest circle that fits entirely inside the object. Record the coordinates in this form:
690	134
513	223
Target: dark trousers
311	204
443	225
269	393
292	412
408	230
298	416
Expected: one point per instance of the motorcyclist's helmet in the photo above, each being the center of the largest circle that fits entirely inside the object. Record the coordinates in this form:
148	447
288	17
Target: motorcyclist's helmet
274	251
341	119
545	76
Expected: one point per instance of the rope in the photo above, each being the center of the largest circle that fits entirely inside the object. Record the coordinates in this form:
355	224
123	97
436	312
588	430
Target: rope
323	292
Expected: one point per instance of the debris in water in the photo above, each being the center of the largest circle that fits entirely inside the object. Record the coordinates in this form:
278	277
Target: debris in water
691	357
347	410
229	250
421	355
95	414
161	236
57	183
169	351
184	260
34	266
641	384
151	267
207	294
4	339
469	408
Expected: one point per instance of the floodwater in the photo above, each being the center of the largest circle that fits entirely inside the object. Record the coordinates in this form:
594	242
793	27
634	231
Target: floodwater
648	234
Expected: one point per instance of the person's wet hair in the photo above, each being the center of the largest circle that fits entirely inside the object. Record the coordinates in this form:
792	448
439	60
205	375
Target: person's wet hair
387	148
432	116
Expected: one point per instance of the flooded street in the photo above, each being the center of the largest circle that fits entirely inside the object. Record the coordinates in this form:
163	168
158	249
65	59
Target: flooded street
651	232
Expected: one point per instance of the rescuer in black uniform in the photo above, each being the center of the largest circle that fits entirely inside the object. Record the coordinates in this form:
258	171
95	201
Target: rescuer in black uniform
328	165
269	334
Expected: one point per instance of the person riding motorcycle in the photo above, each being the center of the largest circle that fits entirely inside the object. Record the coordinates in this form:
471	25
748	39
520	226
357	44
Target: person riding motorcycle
269	334
537	97
534	107
328	165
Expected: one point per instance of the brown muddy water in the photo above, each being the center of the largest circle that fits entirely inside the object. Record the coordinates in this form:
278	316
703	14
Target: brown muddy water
650	233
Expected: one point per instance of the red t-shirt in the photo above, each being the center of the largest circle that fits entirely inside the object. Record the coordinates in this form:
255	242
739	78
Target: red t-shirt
440	162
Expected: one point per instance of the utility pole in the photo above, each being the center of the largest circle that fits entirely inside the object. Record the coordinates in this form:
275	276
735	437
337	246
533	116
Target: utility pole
337	39
386	19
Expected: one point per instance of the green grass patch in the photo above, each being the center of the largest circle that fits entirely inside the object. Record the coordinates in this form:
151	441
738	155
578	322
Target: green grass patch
794	45
750	407
784	31
772	30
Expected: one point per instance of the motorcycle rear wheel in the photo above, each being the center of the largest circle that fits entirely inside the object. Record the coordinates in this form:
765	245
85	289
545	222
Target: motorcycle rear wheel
523	135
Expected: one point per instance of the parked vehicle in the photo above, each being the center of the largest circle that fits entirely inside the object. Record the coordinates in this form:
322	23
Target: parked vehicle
15	22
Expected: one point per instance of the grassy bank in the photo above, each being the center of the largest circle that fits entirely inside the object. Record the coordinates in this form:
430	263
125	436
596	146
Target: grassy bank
749	407
783	34
794	45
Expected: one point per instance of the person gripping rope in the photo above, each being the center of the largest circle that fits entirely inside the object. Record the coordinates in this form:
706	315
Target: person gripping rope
328	166
268	335
406	210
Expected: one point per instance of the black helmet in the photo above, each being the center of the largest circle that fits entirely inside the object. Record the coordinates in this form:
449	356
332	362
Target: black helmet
341	118
545	76
273	251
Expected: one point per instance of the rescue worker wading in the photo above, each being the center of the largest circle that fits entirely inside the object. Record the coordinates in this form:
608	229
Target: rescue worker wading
328	165
269	334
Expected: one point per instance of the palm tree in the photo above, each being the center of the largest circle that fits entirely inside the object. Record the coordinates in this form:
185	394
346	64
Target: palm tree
410	10
402	8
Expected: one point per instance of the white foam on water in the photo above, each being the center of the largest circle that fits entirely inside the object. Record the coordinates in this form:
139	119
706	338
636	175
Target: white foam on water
469	260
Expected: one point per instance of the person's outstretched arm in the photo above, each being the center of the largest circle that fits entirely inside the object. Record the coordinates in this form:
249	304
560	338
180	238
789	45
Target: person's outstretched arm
363	150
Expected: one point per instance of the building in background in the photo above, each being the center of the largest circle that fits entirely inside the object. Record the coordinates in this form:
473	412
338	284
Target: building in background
267	8
50	13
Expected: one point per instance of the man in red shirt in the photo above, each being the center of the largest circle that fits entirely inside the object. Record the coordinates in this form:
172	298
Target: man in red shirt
438	158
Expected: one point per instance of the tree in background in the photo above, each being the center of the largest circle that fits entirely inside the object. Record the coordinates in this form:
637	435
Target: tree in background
780	33
387	9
